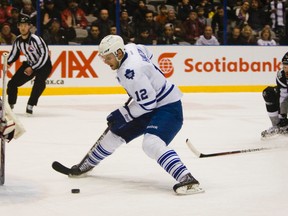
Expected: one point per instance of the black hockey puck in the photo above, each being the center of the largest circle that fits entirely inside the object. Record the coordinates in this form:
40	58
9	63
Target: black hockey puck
75	190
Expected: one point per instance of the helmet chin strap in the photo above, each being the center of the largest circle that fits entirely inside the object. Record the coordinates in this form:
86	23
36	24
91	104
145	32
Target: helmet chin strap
118	60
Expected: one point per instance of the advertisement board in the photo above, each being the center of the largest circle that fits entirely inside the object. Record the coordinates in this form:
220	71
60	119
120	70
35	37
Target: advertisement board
79	69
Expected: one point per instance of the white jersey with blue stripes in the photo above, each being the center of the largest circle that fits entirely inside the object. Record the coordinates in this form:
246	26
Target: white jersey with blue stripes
144	81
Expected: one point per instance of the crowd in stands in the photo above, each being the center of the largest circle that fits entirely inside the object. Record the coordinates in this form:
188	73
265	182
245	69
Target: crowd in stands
191	22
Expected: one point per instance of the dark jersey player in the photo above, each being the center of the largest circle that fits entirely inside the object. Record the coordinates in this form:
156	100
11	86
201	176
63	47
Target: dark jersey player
276	99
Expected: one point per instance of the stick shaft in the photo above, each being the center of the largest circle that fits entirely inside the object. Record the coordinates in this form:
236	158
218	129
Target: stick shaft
5	66
201	155
102	136
232	152
2	147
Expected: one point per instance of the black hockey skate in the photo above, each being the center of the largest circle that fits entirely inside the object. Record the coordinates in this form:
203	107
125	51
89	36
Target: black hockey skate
283	130
29	109
74	171
189	185
80	169
272	131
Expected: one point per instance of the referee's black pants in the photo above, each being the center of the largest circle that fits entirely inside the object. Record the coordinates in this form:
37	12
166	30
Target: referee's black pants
20	78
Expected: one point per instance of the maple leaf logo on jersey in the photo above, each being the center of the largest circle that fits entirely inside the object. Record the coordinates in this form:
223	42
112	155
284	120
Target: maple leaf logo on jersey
129	74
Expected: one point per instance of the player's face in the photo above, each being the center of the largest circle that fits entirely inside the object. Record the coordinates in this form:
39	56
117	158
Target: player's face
285	68
111	60
24	29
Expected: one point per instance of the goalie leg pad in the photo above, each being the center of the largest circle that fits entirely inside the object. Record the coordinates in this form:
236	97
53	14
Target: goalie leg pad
9	126
7	129
19	128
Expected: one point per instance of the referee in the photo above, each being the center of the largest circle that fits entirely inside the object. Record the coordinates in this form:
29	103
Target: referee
37	64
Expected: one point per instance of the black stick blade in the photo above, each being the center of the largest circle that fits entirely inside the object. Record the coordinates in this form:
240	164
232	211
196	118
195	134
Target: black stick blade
61	168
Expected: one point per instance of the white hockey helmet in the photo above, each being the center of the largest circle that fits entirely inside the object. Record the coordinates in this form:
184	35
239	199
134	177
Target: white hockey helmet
111	44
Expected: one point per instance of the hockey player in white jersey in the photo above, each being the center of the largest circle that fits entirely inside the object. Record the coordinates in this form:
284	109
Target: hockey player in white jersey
276	99
155	112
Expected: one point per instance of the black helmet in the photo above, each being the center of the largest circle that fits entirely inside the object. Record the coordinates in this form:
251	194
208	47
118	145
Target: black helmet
24	19
285	59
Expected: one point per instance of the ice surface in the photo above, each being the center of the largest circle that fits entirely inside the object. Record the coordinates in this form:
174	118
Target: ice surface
128	183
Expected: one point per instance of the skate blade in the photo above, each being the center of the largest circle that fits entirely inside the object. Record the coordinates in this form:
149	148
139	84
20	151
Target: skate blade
189	189
274	136
270	136
84	175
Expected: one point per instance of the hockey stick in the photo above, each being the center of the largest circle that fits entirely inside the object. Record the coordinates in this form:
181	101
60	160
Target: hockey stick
2	149
201	155
57	166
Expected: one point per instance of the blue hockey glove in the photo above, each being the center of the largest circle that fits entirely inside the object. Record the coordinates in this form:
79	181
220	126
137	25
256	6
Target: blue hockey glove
118	118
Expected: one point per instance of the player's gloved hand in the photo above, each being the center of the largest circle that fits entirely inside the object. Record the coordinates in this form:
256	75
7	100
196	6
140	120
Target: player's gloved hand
118	118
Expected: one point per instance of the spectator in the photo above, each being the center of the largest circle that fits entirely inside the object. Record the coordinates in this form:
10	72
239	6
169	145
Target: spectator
178	27
110	6
29	10
278	16
127	28
201	15
150	24
168	36
5	11
172	2
17	4
73	16
273	34
60	5
144	37
113	30
139	15
55	35
161	18
104	22
6	36
207	38
217	23
184	9
208	7
283	40
257	17
193	28
242	14
13	20
266	38
247	37
132	5
234	4
90	7
234	37
49	13
94	36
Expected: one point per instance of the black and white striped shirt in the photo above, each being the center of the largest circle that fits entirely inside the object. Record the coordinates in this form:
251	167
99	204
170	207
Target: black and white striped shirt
34	48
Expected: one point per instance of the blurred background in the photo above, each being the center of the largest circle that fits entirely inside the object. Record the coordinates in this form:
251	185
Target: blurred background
152	22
